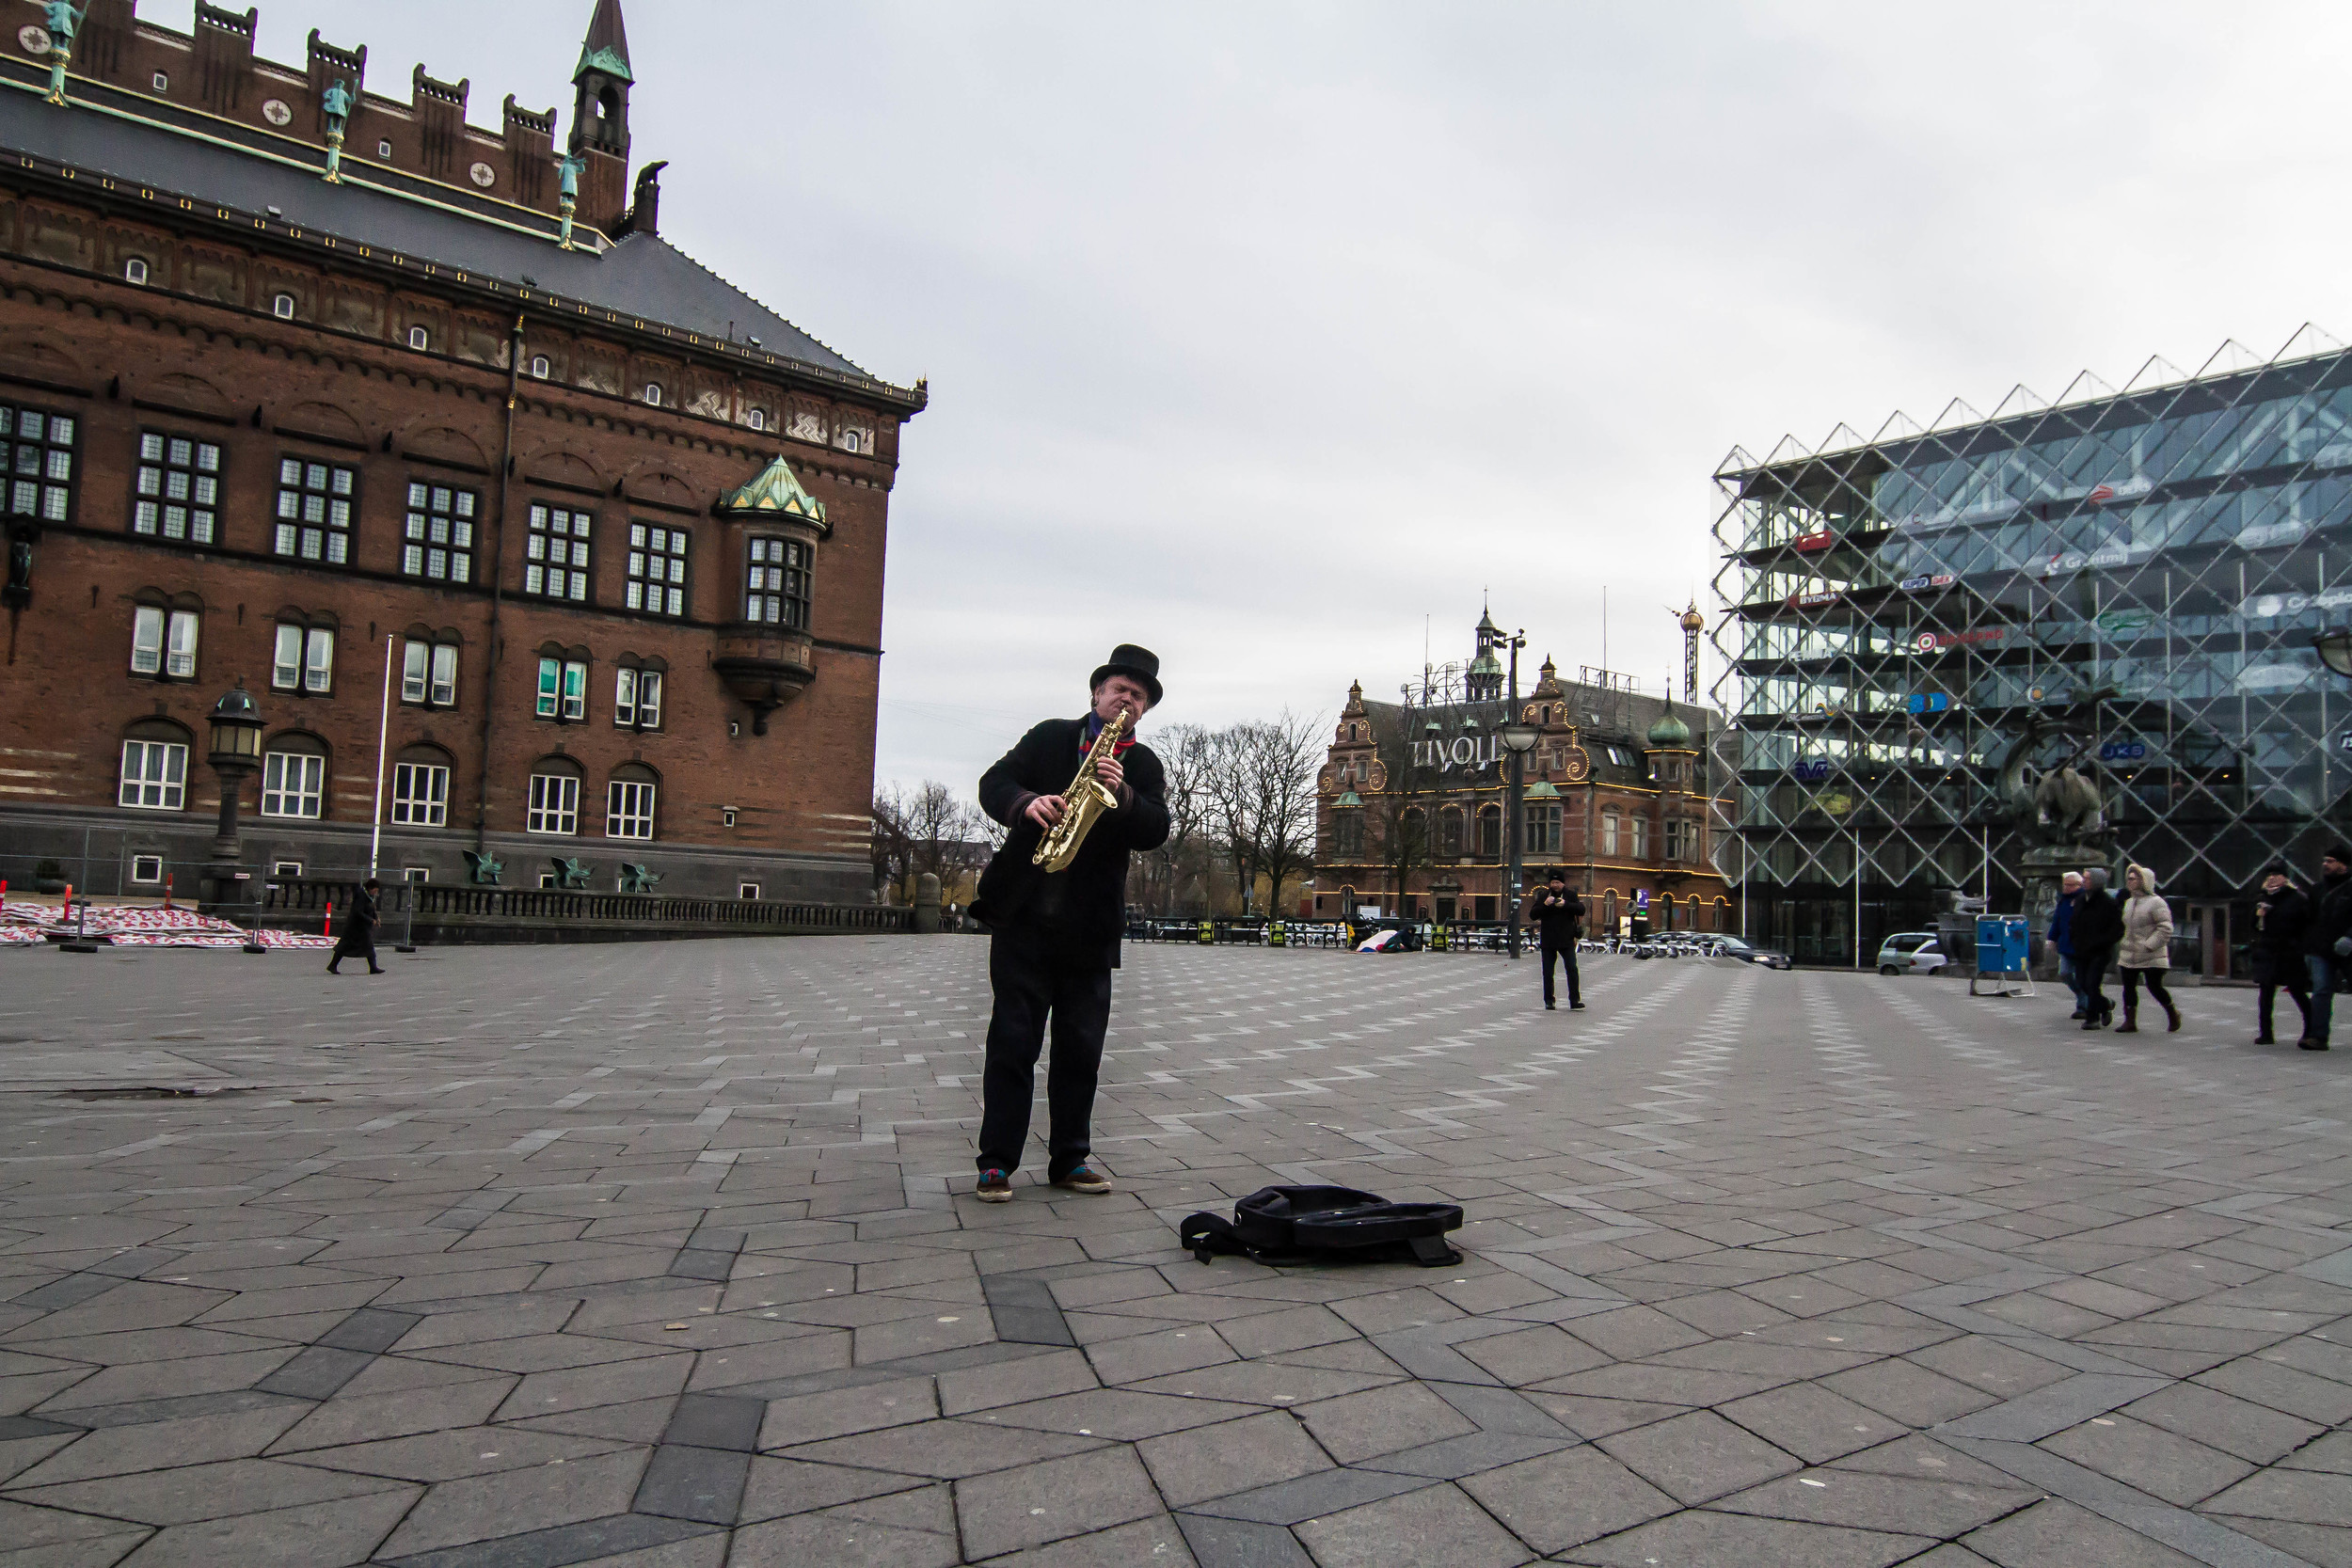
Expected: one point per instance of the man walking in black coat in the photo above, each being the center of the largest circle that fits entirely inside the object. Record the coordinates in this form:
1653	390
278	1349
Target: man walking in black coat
1054	935
2327	942
2281	917
2098	931
1557	916
357	937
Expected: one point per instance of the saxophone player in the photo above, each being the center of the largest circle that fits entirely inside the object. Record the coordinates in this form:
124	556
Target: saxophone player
1054	935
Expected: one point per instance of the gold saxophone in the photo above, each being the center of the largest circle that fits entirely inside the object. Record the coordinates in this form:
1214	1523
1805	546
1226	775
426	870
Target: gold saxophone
1086	799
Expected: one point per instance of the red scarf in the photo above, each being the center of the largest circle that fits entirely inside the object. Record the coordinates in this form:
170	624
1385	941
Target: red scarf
1094	732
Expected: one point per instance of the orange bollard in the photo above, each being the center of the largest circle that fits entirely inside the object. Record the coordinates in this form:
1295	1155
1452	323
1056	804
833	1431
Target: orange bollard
166	890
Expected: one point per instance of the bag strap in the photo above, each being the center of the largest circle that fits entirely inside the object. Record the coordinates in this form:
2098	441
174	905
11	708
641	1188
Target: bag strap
1205	1235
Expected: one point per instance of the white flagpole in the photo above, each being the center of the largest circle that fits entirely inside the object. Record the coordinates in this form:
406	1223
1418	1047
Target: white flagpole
383	726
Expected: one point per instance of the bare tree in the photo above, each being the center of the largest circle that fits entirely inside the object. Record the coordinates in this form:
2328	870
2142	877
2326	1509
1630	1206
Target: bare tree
1401	812
893	846
1183	750
940	829
1280	757
1232	807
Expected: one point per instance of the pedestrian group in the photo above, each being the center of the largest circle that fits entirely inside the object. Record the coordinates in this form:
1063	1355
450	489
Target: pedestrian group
2302	944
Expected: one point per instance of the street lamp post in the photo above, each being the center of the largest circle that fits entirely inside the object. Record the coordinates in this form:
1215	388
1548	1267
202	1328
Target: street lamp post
1519	739
235	755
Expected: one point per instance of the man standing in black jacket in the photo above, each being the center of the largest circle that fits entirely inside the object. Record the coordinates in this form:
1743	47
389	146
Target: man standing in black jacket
2098	931
1557	916
2281	917
2327	942
1054	935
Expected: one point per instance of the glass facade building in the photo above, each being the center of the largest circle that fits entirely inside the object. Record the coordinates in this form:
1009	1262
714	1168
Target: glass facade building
2129	581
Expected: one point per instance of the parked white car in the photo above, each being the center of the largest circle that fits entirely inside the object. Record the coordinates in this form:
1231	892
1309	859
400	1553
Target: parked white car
1910	953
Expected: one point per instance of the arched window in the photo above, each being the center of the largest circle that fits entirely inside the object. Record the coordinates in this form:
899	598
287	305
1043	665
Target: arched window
304	658
293	776
1609	912
1665	911
637	682
1450	833
421	787
554	806
1490	831
428	666
154	767
628	801
1609	832
1415	827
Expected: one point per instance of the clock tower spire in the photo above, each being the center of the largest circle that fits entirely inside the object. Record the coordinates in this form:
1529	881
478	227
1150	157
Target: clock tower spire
600	116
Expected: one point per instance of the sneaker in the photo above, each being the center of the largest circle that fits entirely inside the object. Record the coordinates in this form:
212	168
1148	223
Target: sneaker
996	1187
1084	1180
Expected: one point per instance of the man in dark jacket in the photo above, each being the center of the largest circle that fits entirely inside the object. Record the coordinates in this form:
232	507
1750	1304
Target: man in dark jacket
2327	942
357	937
2098	929
1557	916
2062	935
2283	918
1054	935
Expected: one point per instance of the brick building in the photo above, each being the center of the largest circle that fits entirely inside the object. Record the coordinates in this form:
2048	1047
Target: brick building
302	384
1620	790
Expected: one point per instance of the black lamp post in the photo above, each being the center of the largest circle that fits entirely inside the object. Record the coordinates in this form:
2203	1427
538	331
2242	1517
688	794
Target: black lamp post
235	755
1518	738
2335	651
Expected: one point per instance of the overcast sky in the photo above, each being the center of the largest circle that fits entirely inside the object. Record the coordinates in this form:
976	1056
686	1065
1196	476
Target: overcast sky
1266	335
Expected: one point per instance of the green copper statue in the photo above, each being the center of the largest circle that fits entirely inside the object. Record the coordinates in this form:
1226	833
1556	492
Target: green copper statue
65	19
336	101
568	174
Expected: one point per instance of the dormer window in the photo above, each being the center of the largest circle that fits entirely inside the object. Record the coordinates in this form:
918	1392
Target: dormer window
135	271
539	367
419	339
653	394
757	418
282	307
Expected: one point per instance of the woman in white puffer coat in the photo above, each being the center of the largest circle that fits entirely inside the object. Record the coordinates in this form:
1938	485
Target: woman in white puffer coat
2147	949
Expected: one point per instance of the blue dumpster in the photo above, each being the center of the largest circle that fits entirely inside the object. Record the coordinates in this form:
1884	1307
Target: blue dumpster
2002	945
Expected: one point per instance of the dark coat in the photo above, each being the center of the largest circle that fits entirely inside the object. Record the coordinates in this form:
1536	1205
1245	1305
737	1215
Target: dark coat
1559	921
2281	920
2098	922
1094	897
2062	924
359	917
2331	917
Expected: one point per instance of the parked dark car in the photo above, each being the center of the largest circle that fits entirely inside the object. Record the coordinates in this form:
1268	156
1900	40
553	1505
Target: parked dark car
1732	947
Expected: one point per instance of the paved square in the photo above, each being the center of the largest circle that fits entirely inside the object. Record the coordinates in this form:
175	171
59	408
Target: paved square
666	1254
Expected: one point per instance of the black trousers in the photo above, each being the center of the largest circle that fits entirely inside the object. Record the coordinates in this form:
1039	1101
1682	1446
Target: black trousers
2090	969
2154	978
1038	982
2289	973
1567	955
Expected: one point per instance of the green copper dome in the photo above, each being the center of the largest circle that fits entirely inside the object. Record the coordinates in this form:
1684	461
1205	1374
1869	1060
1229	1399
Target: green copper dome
1669	732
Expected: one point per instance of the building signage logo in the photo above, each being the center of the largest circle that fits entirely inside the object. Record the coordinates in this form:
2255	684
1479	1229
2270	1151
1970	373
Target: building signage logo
2122	751
1935	641
1811	769
1820	538
1929	701
1470	752
1925	580
2265	607
2274	678
2265	536
1810	601
2126	621
2115	554
2102	494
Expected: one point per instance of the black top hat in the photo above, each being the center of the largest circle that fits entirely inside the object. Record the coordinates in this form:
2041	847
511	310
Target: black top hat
1141	664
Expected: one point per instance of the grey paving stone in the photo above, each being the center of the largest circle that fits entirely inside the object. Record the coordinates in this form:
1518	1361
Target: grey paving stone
1155	1541
490	1508
1235	1544
601	1540
1564	1498
1010	1509
717	1421
946	1449
192	1492
329	1534
2032	1416
1437	1524
1703	1536
2055	1531
810	1539
1383	1420
1451	1458
1231	1457
2148	1458
777	1487
2223	1421
687	1482
1698	1456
